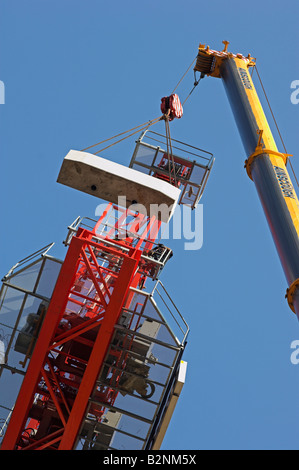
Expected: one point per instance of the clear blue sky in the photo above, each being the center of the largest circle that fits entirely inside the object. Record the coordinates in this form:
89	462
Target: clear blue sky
77	72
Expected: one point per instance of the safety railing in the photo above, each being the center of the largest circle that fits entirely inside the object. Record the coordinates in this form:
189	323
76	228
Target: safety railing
184	165
154	256
133	384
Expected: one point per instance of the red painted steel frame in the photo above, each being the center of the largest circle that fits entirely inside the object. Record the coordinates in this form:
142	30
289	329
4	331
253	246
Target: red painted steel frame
55	311
71	412
99	349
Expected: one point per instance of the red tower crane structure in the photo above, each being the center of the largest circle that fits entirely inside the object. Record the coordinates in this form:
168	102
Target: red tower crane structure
104	358
105	354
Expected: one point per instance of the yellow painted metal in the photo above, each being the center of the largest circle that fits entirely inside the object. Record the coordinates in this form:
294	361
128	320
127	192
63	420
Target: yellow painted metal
216	59
278	159
266	145
212	63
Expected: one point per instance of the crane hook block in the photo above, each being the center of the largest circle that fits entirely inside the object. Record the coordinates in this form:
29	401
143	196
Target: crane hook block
171	107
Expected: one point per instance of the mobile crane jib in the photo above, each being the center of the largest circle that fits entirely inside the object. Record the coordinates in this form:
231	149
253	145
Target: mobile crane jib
265	165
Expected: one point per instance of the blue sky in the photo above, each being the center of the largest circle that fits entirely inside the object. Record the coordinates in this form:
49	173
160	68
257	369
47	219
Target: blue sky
77	72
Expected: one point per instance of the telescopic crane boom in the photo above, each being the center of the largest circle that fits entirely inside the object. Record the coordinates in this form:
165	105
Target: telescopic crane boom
265	165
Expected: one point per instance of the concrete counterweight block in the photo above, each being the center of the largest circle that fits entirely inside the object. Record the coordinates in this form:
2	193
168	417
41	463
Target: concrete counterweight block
108	180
